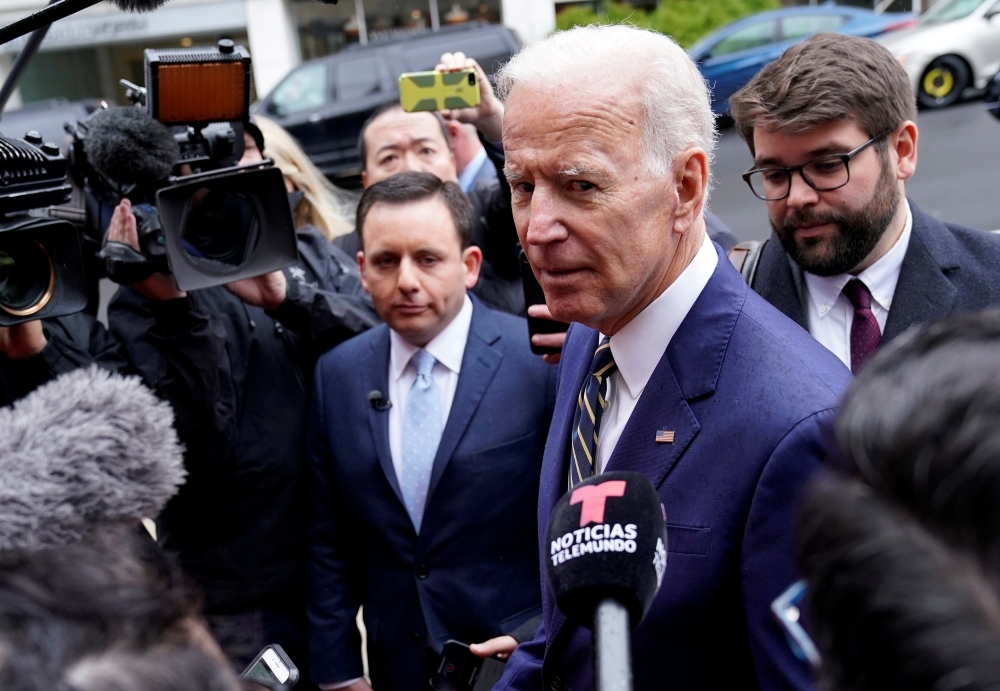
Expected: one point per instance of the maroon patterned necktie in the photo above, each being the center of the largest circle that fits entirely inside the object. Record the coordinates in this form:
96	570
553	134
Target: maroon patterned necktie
866	336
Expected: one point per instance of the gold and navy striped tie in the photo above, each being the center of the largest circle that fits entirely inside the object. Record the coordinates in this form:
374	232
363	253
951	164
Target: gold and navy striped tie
591	405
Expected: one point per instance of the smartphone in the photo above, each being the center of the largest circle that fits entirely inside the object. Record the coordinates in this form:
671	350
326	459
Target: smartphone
460	670
533	295
271	667
438	90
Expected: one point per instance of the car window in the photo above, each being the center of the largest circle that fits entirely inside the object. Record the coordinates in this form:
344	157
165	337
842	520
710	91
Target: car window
358	78
948	10
304	89
806	25
489	50
752	36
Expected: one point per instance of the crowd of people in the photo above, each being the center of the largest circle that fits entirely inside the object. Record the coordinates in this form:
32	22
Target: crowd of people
356	457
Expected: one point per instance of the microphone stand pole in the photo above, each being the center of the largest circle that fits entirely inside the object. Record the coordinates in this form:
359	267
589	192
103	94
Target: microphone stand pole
58	9
613	654
23	58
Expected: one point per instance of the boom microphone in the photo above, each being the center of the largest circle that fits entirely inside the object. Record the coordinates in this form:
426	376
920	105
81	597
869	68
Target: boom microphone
87	450
607	554
128	146
64	8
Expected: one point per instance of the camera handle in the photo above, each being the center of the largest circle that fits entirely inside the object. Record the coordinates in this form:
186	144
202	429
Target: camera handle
126	266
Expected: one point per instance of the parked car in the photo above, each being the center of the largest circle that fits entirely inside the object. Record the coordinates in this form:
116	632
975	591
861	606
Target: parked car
955	46
731	56
46	117
324	102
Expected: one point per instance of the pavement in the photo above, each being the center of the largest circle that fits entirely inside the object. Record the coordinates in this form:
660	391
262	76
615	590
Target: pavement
958	157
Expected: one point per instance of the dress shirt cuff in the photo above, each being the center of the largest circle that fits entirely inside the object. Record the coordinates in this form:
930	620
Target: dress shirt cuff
339	684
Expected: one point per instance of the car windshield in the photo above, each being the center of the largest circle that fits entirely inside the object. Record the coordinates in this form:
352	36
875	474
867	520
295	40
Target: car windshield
950	10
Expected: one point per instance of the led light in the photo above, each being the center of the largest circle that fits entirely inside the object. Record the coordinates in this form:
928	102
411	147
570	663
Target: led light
206	92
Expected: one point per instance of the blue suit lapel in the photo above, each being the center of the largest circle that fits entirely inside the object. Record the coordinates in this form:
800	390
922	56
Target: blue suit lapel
375	377
479	365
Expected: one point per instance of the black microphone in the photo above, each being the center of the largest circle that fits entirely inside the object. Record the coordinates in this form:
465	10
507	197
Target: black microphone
607	554
378	401
64	8
128	146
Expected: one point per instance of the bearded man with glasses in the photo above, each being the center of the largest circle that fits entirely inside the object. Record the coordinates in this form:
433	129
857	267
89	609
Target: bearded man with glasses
831	128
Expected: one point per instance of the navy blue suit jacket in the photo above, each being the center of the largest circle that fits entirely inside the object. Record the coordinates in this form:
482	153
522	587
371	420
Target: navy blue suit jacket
750	397
472	573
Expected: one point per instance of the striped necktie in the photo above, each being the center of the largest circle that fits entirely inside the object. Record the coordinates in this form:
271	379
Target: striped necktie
591	404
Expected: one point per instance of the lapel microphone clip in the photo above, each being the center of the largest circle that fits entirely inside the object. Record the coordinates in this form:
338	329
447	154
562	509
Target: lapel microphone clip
378	401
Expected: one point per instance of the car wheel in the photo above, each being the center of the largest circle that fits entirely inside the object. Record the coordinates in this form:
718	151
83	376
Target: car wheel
943	82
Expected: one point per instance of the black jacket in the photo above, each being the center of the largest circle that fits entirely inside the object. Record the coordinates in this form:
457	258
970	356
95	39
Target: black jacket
75	341
237	378
947	269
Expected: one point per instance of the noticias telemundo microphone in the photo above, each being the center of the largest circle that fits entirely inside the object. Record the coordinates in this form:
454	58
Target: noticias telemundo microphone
606	556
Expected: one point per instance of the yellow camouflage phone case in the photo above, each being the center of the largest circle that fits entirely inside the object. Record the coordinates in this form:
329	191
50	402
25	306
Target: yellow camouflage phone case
438	90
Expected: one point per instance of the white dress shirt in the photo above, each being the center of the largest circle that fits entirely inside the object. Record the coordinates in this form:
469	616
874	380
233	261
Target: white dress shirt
639	345
448	348
831	314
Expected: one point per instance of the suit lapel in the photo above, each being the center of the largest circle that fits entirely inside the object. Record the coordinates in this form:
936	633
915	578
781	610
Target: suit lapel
479	365
779	281
923	292
375	377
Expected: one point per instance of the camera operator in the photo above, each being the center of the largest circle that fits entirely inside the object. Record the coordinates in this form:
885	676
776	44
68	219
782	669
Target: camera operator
236	376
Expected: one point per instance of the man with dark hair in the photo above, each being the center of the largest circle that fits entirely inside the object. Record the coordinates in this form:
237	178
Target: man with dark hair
425	439
902	560
830	126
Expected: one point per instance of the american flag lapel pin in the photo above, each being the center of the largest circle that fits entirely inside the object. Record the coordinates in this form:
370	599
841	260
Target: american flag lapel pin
665	436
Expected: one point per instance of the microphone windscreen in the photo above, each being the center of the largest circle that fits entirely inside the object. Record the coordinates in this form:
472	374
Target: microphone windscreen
138	5
128	146
87	449
607	538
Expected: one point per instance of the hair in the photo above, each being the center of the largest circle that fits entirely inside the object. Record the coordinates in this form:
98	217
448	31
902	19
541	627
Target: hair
170	669
674	96
323	206
388	108
921	424
891	605
826	78
409	187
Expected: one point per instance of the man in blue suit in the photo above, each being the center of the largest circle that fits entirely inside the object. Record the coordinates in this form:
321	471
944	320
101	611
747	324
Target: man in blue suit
425	441
674	368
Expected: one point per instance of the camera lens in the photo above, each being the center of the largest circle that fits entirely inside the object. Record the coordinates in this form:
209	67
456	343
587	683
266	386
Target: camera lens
221	227
27	276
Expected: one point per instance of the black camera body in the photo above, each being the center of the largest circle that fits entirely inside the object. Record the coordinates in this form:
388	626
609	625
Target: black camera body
41	264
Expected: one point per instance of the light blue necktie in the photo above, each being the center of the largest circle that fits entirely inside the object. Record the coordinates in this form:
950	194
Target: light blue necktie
421	436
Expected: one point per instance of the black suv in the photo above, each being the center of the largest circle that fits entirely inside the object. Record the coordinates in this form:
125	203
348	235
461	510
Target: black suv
324	102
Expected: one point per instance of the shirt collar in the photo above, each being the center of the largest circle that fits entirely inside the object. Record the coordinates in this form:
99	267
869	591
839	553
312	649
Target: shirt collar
880	278
448	347
470	172
638	346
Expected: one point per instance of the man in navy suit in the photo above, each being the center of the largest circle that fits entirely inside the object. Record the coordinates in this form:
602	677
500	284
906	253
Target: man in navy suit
674	368
830	126
425	441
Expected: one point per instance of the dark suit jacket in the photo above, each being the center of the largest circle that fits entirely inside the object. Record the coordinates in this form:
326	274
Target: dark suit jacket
472	574
947	269
750	398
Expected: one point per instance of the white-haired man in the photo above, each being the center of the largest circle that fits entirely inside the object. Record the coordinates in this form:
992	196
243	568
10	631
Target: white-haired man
673	368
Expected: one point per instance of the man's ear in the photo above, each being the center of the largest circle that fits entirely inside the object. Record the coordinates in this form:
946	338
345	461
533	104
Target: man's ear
472	257
691	184
361	270
904	143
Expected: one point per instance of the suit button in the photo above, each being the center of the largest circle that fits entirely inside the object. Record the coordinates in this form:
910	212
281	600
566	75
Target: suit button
423	572
417	638
556	684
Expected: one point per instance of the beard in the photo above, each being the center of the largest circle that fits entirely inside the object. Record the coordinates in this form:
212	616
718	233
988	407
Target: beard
858	231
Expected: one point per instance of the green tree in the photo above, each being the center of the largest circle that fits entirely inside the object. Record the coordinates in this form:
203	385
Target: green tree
684	20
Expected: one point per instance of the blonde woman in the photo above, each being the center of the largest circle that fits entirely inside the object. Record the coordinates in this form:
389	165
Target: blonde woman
321	205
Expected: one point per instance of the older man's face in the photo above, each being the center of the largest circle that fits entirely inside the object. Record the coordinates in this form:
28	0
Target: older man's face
596	230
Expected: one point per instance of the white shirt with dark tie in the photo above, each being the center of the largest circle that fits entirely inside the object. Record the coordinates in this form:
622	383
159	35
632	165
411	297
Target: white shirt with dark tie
829	312
639	345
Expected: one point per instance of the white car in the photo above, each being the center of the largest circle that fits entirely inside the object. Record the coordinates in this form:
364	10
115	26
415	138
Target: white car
955	46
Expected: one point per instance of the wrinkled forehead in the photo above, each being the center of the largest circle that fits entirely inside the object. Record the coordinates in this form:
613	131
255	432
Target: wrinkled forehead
399	128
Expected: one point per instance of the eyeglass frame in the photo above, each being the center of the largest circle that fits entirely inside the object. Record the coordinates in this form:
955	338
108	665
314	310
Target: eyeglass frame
845	159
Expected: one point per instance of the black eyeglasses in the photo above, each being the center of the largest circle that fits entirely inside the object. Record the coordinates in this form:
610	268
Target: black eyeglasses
823	174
